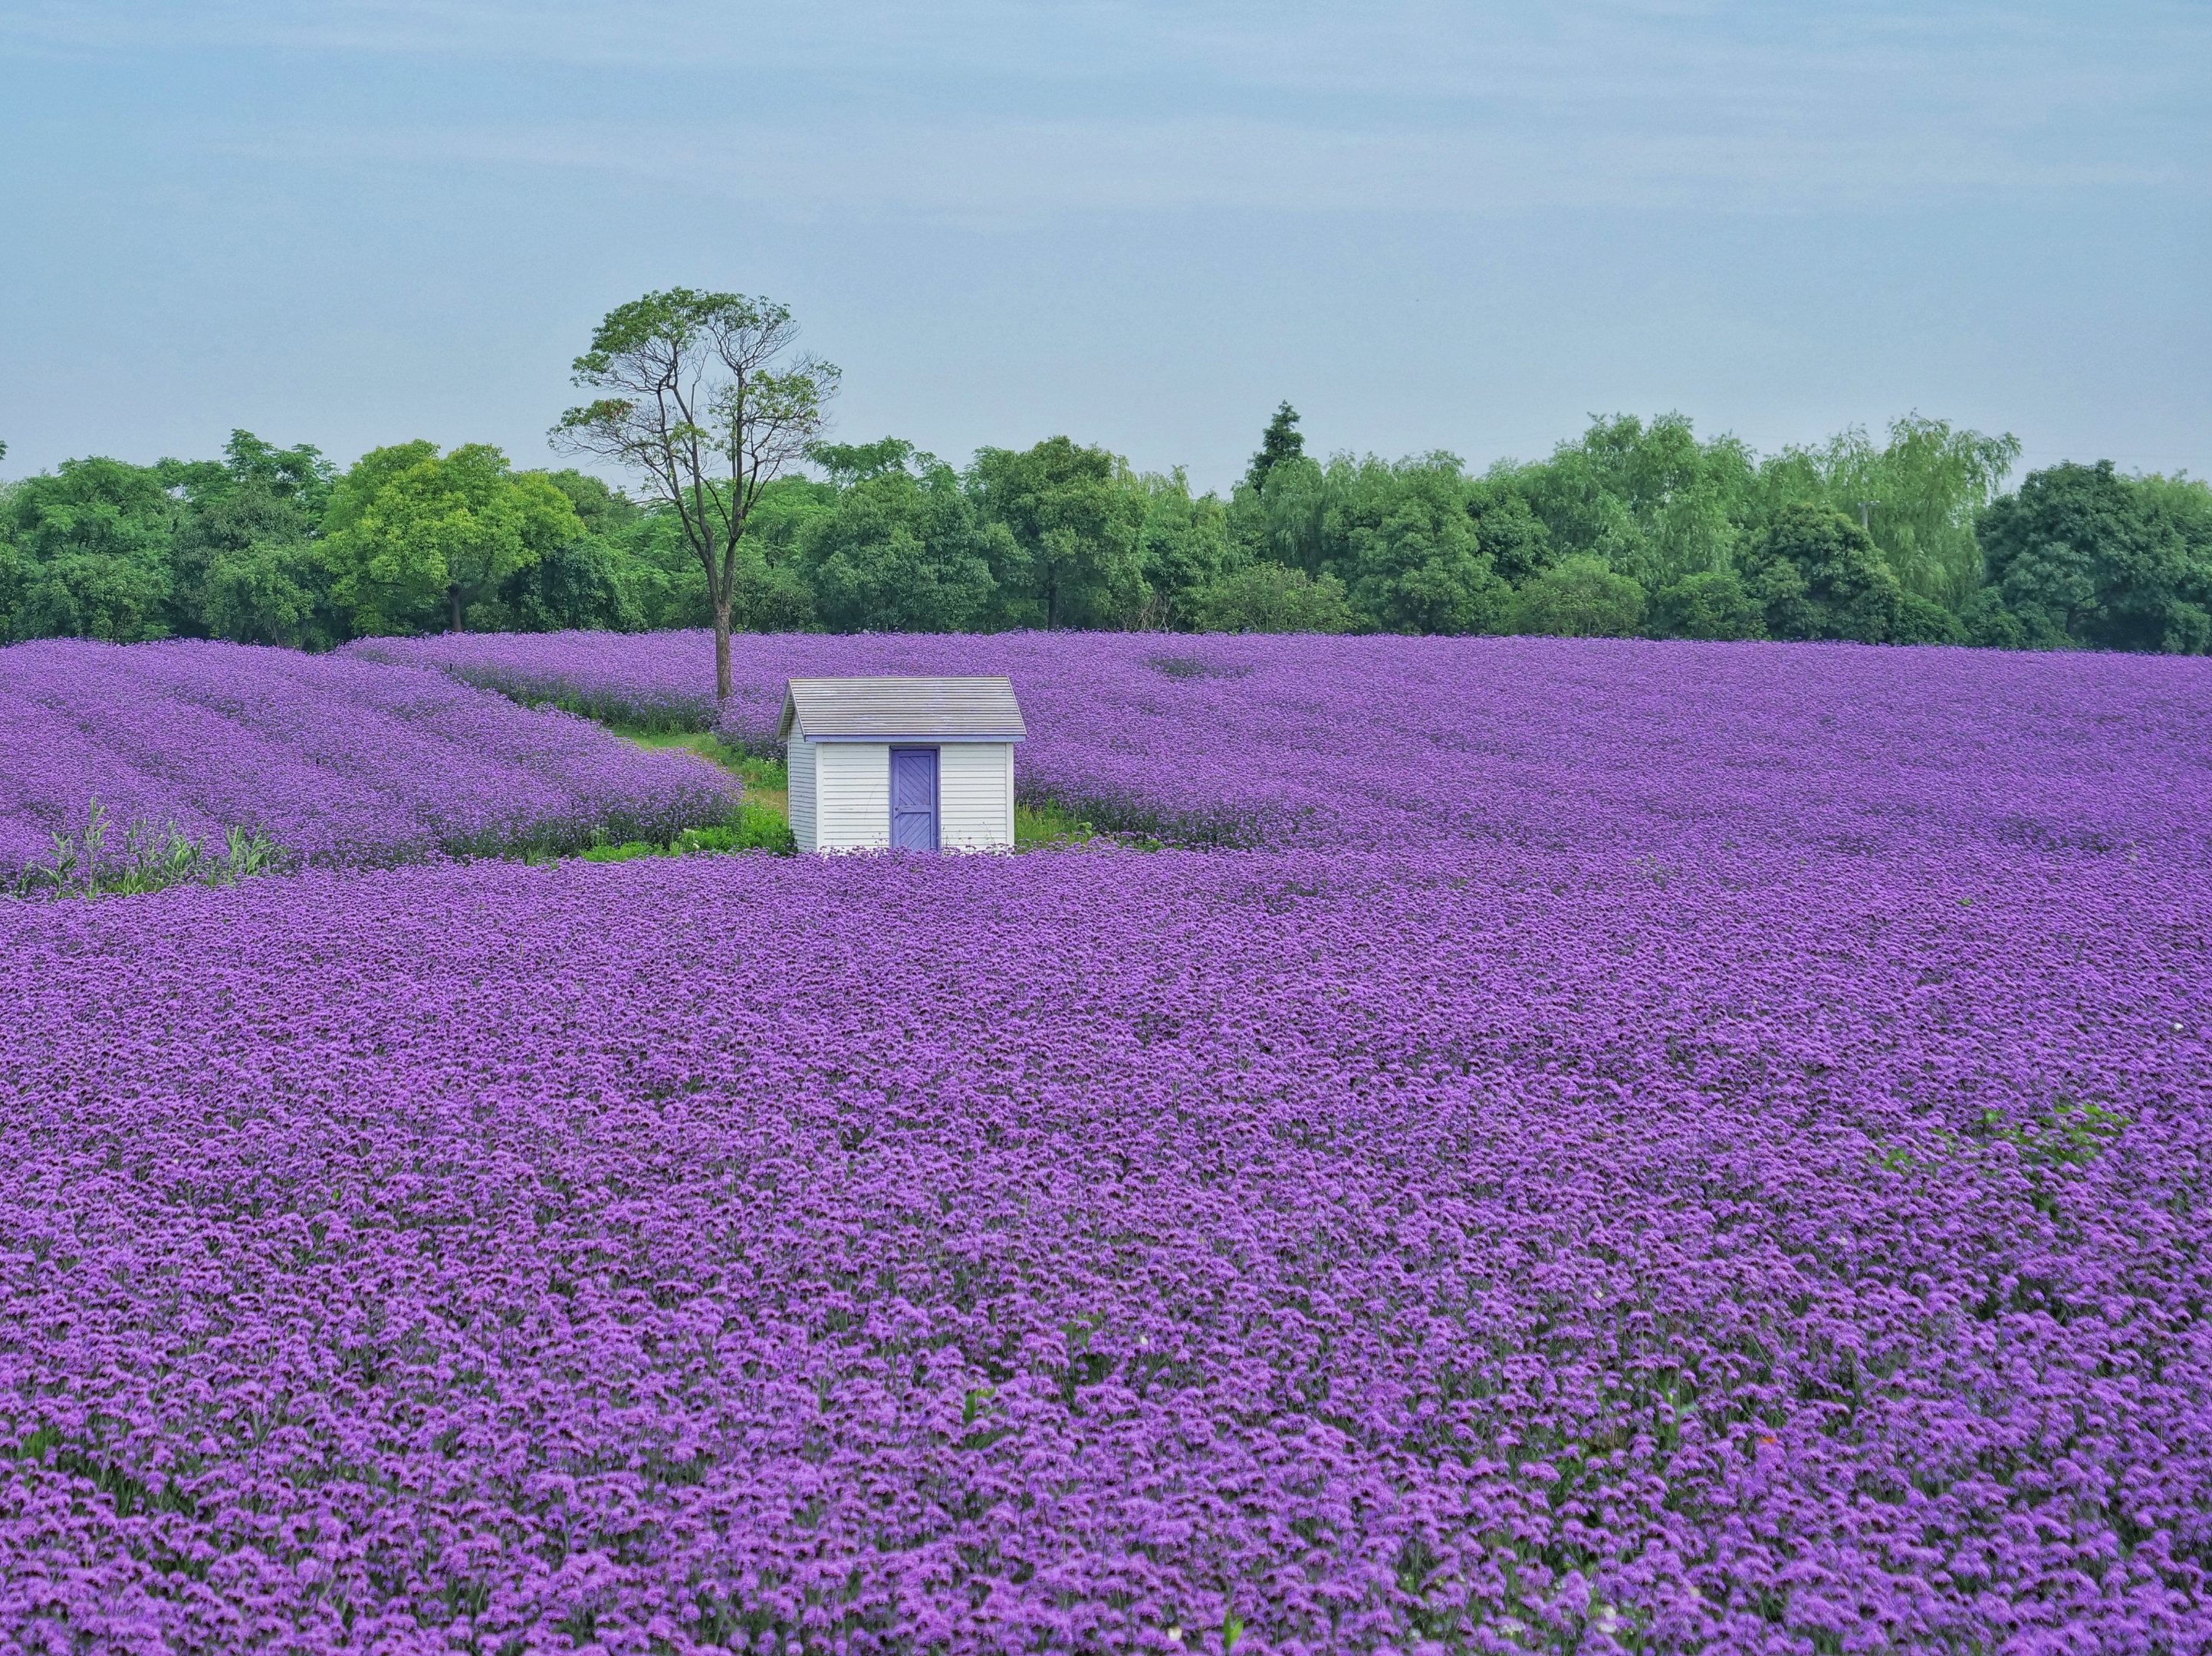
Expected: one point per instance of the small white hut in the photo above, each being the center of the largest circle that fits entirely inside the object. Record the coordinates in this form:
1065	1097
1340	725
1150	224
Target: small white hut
914	764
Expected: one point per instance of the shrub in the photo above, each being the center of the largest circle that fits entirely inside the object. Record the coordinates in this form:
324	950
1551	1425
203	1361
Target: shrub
1266	597
1712	604
1923	621
1580	598
1819	577
754	830
1987	622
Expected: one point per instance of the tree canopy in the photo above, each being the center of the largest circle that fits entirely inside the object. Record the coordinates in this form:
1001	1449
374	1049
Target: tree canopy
1635	526
702	398
407	529
2081	555
1281	441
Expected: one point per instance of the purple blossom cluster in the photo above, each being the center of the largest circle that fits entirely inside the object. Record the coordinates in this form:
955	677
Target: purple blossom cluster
1662	1148
1218	740
658	680
335	759
1453	1249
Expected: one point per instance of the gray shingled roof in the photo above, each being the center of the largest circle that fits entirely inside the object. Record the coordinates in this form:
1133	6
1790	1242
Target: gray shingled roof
891	709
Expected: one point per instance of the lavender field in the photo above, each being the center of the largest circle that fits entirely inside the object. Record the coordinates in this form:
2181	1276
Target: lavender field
1211	740
336	761
1652	1147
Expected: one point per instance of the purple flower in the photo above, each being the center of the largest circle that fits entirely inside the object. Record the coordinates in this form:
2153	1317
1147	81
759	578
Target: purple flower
337	760
1715	1160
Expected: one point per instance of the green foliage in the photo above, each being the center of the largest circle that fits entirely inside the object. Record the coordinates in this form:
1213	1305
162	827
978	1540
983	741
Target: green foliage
856	462
1923	621
93	550
299	476
1713	603
660	576
104	549
1579	597
1409	553
898	552
701	397
1281	441
1652	501
259	549
151	859
267	545
756	771
2071	1134
1816	574
407	527
1045	826
1417	545
755	830
1184	548
578	584
1266	597
601	509
1508	531
2082	556
93	595
1986	622
1283	521
1075	518
1920	494
270	593
759	772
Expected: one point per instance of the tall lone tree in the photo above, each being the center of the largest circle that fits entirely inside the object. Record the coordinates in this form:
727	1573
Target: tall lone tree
703	396
1278	443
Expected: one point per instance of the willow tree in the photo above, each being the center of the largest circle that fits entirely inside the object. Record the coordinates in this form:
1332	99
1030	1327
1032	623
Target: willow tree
704	398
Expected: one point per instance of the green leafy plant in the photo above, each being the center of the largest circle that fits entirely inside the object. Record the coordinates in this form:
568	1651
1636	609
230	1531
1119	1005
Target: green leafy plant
2072	1135
755	829
152	858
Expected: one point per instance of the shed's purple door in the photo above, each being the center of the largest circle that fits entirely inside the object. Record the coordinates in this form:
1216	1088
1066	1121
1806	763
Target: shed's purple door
914	799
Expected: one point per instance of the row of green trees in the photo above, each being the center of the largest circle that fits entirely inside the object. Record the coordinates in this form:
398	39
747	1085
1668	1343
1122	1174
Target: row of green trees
1633	528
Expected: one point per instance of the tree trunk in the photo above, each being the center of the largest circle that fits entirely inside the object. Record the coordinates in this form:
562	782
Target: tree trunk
722	650
453	608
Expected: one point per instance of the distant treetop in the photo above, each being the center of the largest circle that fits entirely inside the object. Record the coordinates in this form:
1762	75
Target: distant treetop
1279	442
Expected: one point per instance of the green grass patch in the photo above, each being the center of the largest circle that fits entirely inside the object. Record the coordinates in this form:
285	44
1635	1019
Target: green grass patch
768	781
755	829
1043	825
1046	826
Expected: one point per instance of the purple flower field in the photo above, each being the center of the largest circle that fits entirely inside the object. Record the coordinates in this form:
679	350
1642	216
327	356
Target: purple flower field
1731	1179
1211	740
337	760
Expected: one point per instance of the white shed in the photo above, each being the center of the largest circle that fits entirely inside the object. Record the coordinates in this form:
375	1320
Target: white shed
918	764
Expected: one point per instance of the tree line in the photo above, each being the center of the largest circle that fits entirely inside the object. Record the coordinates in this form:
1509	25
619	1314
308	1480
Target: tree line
1633	528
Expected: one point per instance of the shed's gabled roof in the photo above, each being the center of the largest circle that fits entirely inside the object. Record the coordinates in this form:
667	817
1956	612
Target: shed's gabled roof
896	709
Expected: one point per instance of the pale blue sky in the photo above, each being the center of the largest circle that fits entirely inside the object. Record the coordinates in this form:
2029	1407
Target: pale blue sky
1464	227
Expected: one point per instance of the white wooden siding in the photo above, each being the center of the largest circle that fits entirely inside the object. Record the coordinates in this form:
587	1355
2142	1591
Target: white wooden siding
974	795
851	795
801	757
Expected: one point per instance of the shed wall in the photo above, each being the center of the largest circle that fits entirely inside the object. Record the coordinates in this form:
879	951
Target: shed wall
800	754
974	795
851	795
